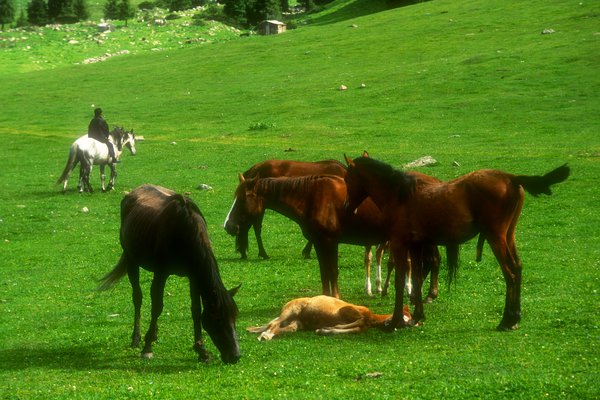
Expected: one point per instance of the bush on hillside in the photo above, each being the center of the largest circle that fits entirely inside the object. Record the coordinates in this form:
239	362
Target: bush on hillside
147	5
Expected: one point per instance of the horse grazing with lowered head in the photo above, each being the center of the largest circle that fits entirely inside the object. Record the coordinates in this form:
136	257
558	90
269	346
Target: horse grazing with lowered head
273	169
316	204
323	314
166	234
89	152
486	201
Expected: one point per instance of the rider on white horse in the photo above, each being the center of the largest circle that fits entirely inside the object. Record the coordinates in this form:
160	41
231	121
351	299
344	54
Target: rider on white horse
98	129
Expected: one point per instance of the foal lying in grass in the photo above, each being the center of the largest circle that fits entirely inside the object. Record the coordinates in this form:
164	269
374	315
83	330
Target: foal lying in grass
325	315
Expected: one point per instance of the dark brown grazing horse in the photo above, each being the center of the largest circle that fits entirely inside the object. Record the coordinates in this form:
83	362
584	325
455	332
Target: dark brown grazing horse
273	169
485	201
316	203
166	234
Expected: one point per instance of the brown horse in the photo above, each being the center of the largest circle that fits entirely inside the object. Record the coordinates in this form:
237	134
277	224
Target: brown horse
486	201
273	169
316	203
323	314
166	234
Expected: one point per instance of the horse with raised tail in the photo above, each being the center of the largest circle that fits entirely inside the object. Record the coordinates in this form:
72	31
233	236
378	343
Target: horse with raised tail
485	201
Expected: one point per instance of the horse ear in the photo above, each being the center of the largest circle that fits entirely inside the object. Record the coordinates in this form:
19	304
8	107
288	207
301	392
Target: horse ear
348	161
233	291
241	178
365	154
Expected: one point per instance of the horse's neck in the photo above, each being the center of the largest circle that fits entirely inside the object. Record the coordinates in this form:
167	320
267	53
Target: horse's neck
282	201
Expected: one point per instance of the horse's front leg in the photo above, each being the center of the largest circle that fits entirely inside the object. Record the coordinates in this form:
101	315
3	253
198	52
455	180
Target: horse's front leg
400	256
416	266
156	293
257	225
102	178
327	253
203	354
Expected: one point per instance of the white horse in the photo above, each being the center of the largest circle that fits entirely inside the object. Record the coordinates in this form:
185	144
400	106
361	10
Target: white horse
90	152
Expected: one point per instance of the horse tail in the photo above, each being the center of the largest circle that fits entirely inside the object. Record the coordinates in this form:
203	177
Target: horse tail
71	162
109	280
540	184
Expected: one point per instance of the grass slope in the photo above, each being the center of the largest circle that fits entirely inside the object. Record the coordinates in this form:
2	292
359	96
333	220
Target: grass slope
474	82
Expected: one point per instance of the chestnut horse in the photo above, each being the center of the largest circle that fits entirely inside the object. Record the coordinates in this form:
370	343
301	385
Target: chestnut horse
166	234
323	314
316	203
486	201
273	169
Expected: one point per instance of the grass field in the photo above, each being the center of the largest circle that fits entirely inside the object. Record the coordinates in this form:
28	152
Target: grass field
472	82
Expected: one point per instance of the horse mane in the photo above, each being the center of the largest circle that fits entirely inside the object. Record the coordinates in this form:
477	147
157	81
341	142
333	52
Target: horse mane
196	226
390	177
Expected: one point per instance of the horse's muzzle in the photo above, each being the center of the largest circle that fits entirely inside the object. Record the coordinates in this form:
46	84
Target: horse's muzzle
231	227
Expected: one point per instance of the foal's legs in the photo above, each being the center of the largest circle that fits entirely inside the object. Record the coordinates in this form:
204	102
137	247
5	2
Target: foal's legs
157	290
203	354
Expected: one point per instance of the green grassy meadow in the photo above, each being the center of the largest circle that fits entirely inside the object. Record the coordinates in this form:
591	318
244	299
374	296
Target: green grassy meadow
475	84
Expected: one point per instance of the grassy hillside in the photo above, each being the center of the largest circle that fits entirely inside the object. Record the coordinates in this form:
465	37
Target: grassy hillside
475	84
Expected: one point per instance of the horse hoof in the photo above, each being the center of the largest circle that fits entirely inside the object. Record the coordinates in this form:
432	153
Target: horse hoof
506	328
204	356
147	356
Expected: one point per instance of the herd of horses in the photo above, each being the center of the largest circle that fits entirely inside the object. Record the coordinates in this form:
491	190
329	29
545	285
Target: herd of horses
365	202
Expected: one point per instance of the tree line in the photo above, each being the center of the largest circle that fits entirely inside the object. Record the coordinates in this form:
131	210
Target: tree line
241	13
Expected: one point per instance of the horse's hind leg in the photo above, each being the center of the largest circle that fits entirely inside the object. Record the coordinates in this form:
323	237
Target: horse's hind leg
432	264
479	250
367	262
203	354
113	177
133	274
156	293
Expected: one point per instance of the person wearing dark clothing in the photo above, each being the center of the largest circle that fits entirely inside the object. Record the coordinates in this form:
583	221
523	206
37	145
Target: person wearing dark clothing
98	129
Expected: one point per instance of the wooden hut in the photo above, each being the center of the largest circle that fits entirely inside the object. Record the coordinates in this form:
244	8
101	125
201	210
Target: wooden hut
271	27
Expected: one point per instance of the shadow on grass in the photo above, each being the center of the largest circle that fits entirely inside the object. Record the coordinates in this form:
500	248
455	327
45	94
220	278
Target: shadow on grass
87	358
360	8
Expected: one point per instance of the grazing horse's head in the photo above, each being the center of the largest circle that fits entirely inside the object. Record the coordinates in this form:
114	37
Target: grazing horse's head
247	206
218	319
128	141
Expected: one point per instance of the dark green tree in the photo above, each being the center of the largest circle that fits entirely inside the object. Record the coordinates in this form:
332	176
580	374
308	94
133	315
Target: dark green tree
56	8
125	11
37	12
22	20
7	12
80	10
262	10
308	5
236	11
284	5
179	5
111	10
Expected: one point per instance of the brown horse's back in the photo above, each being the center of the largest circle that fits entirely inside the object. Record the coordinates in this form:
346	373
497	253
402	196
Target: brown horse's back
274	168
